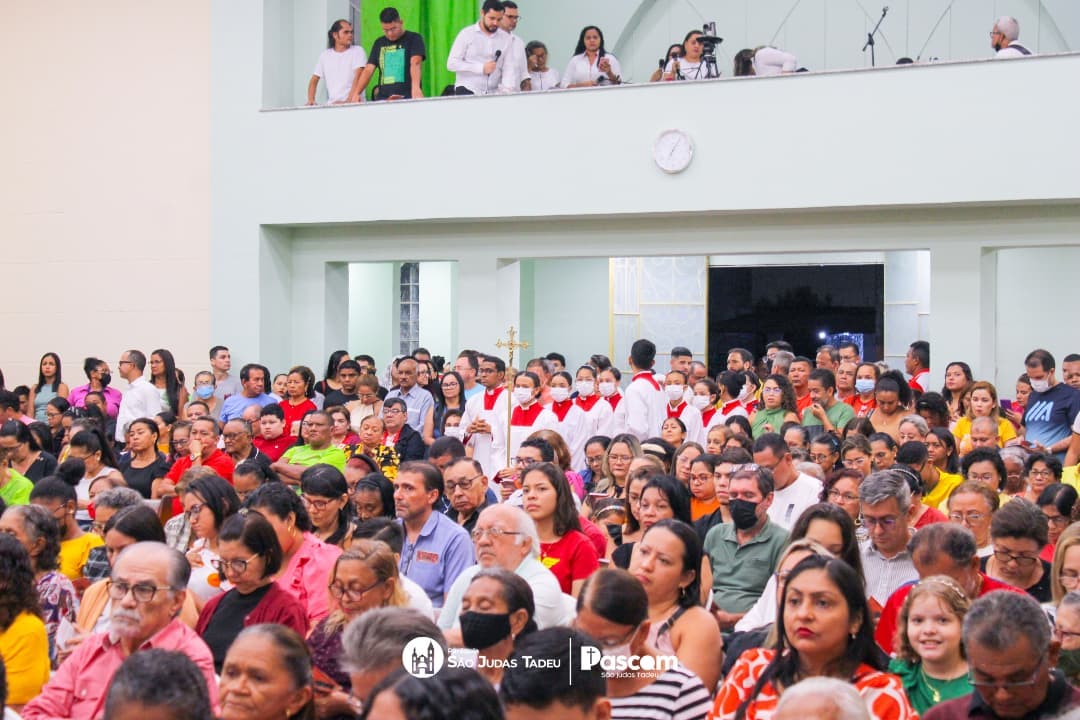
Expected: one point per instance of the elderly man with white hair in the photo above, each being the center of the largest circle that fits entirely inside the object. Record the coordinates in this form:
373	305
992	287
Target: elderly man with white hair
821	698
505	537
1004	38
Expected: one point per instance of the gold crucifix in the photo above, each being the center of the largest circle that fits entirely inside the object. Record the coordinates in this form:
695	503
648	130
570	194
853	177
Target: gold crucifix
510	345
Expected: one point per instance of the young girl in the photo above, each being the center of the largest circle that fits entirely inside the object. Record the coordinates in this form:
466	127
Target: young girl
930	657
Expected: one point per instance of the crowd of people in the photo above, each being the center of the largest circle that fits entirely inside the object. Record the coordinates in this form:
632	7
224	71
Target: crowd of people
788	535
489	58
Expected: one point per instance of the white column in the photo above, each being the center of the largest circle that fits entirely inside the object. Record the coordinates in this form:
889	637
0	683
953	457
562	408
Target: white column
477	303
962	319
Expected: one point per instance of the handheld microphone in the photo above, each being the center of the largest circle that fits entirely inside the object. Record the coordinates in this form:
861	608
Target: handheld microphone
663	63
498	54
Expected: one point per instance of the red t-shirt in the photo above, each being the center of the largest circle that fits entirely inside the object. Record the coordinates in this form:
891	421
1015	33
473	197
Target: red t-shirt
295	413
885	632
217	461
862	409
804	403
931	516
275	448
571	557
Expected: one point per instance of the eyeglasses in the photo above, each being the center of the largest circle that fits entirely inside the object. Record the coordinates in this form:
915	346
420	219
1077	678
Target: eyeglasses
464	484
971	517
237	566
701	479
315	504
837	496
1004	557
854	462
771	390
820	458
620	458
886	523
494	533
194	510
1059	521
1042	472
524	461
997	685
1069	582
310	424
338	591
983	478
1066	634
98	528
143	592
393	411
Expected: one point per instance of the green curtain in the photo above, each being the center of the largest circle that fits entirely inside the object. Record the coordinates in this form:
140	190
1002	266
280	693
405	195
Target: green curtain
437	21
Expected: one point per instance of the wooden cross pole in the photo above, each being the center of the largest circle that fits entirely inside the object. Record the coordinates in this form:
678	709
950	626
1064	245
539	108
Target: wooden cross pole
510	345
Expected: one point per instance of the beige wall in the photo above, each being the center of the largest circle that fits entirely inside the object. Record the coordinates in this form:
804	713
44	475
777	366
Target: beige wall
104	181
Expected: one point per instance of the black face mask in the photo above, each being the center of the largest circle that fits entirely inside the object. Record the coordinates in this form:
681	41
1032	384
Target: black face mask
482	630
106	378
743	513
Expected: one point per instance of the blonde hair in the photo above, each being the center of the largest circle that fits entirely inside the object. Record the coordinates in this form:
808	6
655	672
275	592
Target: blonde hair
948	593
607	481
562	452
995	407
379	559
1069	537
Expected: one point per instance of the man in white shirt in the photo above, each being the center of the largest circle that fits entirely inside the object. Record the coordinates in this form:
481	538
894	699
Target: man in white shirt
478	55
505	537
646	405
794	491
1004	38
338	65
142	399
486	415
515	64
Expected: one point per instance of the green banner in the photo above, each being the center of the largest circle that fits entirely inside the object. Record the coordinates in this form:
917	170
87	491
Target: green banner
437	21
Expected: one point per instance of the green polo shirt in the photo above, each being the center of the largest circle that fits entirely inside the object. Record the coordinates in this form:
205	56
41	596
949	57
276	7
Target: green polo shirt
304	455
840	414
740	572
16	490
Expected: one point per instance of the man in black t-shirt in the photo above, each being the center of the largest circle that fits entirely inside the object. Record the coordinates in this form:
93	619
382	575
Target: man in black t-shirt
398	55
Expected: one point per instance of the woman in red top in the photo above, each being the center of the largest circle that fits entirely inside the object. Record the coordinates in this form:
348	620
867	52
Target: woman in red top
299	389
564	548
824	628
866	377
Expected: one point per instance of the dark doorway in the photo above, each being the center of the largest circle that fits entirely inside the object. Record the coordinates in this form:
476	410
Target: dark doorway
806	305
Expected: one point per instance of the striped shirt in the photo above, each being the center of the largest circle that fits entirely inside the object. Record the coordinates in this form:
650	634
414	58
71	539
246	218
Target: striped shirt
885	575
678	694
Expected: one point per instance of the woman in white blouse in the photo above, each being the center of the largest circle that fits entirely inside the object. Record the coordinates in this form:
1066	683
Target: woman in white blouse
591	64
541	77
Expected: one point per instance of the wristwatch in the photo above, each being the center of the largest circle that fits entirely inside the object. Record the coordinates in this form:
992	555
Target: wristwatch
194	456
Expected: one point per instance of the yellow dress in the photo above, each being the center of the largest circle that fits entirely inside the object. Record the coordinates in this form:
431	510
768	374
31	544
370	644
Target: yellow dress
74	552
24	646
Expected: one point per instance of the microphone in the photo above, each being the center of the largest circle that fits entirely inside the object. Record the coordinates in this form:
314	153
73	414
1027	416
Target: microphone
663	63
498	54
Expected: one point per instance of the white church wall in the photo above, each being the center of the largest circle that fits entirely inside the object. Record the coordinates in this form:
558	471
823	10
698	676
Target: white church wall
1036	308
570	310
372	326
438	323
105	184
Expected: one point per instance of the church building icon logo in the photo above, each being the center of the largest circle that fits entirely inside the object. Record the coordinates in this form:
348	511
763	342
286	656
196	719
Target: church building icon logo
423	657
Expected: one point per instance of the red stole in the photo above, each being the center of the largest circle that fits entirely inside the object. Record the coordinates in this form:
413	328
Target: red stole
587	403
648	376
491	397
525	418
707	416
391	441
613	401
728	407
560	409
674	412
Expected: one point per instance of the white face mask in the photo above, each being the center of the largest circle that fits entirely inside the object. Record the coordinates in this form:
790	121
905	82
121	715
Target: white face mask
560	394
674	392
607	389
523	395
585	388
747	391
701	402
1040	386
455	432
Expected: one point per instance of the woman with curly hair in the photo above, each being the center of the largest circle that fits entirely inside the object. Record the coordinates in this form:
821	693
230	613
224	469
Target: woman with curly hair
24	644
777	406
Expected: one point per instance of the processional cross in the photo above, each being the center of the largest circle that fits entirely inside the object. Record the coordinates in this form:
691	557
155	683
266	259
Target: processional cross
510	345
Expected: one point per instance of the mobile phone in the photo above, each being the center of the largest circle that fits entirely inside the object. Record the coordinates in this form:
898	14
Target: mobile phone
509	484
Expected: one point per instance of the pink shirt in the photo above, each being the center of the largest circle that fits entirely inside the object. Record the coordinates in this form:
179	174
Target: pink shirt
77	689
77	398
307	576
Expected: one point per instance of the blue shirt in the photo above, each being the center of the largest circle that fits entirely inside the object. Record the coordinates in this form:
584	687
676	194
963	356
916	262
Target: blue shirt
477	388
419	402
234	407
442	550
1049	415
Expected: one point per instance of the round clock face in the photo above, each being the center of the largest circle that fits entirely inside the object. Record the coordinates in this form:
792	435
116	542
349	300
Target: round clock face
673	151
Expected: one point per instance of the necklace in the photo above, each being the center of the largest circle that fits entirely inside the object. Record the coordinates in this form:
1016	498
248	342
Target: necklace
935	693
